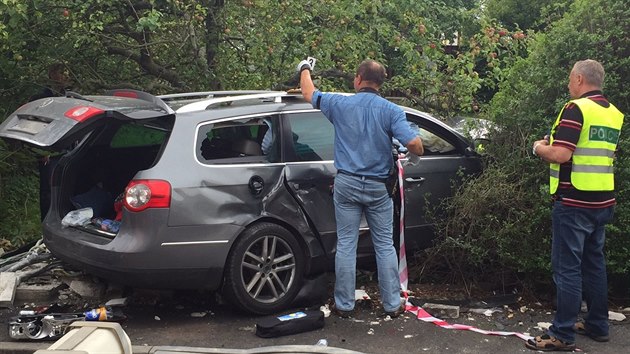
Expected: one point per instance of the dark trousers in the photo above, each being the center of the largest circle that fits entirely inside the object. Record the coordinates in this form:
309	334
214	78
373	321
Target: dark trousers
579	269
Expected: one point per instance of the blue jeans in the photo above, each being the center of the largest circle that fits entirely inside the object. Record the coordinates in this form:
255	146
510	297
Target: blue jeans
579	269
354	196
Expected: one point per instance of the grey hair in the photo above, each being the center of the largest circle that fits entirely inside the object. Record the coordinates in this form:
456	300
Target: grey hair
591	70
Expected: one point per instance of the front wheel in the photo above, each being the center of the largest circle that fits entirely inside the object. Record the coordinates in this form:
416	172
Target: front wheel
264	270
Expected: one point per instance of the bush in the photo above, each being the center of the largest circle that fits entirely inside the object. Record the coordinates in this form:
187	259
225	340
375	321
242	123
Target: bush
501	220
19	197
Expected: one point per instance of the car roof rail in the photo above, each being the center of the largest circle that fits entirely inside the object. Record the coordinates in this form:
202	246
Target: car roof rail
210	94
140	95
205	104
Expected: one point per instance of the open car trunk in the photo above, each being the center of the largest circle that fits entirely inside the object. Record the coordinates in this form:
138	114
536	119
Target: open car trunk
98	144
94	175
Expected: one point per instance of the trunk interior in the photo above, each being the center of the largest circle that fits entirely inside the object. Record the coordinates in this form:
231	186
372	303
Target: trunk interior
96	173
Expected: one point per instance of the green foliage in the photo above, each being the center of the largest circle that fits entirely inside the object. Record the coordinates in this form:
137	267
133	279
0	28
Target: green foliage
503	217
415	40
515	14
19	199
433	50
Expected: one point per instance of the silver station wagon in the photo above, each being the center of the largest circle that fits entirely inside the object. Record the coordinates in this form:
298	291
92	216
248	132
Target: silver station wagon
227	191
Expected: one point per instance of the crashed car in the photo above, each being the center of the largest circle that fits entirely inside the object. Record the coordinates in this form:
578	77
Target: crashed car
217	190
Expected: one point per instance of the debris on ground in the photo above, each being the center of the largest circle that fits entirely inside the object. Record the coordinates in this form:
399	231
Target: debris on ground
616	316
49	323
117	302
16	267
441	311
360	294
485	312
325	309
47	280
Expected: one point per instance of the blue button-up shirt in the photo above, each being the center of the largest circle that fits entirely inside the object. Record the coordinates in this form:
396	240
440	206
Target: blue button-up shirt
364	126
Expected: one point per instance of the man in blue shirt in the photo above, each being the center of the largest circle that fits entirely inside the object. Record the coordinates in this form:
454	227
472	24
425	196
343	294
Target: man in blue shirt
365	124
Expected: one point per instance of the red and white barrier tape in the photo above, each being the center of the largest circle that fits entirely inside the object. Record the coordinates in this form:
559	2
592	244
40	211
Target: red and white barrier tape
420	313
402	259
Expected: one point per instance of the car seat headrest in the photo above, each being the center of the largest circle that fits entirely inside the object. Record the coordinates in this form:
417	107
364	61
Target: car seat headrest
247	147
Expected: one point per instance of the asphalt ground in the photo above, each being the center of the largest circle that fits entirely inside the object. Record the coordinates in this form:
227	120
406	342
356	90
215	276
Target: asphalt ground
200	320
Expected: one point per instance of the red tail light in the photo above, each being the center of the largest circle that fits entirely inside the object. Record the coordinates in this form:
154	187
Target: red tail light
82	113
129	94
142	194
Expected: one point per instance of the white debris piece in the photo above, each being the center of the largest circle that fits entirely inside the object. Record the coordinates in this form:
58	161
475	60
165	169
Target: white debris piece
543	325
486	312
407	336
198	314
616	316
360	294
325	310
157	318
375	323
370	331
8	285
117	302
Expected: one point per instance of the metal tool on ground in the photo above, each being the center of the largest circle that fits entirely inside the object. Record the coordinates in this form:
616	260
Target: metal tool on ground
30	325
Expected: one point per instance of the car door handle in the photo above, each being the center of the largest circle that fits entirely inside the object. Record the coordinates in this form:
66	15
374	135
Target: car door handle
415	180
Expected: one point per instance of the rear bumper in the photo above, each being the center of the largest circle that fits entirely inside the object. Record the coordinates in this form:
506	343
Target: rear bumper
147	253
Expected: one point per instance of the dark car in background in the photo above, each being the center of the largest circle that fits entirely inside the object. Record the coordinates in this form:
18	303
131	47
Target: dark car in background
217	190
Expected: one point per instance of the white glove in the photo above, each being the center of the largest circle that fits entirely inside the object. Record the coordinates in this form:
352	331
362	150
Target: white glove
308	63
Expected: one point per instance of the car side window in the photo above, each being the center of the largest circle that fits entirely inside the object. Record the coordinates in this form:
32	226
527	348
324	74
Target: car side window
248	140
433	143
132	135
313	137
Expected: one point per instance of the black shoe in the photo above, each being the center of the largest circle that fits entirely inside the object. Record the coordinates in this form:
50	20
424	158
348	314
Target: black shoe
580	328
341	313
398	312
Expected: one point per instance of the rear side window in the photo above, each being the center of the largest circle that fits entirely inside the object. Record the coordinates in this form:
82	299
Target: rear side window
132	135
245	140
313	136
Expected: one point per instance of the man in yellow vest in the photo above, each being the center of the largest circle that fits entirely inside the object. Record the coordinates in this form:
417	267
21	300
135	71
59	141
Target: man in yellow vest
580	151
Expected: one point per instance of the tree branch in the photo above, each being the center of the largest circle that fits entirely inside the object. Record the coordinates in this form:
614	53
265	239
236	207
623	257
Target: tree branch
149	65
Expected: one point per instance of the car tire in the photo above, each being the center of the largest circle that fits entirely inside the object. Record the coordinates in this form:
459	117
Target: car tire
264	270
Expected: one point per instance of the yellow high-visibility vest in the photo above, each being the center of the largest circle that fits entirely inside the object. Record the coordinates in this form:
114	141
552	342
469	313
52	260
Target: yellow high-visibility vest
592	160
